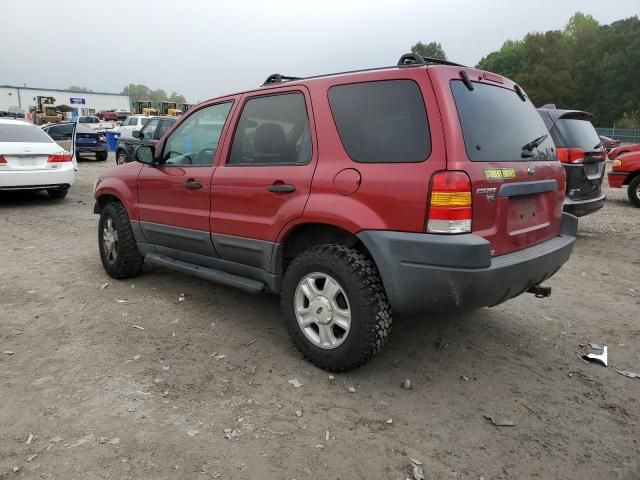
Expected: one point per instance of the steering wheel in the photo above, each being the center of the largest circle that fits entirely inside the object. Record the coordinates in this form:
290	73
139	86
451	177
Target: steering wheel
178	154
205	156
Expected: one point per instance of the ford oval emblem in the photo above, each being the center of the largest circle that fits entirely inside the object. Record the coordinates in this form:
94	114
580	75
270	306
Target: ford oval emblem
531	170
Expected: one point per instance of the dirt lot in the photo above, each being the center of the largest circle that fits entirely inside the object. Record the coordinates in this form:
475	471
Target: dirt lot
122	382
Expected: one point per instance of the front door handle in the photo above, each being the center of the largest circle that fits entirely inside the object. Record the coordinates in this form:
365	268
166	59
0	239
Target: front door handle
193	184
281	188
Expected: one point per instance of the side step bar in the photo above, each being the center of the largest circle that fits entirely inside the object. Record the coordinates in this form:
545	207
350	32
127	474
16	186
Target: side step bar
206	273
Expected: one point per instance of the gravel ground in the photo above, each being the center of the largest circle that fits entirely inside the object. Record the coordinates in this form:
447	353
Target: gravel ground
128	382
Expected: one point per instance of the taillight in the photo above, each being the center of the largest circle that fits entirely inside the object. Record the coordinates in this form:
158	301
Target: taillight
2	159
450	203
570	155
60	157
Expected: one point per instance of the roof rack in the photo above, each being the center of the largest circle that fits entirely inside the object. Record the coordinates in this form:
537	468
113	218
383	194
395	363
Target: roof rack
277	78
411	59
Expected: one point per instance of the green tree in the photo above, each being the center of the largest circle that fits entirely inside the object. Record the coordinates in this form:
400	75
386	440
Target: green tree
431	49
73	88
586	66
139	92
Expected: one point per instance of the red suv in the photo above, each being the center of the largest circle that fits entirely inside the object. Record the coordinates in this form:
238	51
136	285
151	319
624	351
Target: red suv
421	187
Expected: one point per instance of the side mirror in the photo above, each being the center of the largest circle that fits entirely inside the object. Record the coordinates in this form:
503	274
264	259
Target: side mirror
136	134
144	154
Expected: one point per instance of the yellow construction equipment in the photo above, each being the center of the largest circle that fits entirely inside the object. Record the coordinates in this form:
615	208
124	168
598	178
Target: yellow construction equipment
170	108
186	106
146	108
45	111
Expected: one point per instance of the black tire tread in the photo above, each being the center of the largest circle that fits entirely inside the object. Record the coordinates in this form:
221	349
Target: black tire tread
364	285
129	261
57	193
632	189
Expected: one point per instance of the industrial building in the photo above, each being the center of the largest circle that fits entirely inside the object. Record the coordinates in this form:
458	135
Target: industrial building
81	103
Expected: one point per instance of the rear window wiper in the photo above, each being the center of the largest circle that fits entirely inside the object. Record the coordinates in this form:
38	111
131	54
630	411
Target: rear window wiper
597	146
534	143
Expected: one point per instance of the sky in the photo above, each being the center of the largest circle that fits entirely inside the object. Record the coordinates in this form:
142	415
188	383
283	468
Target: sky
203	49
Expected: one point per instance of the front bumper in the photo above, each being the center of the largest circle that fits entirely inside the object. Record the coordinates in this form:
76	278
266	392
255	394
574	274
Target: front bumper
616	179
426	272
580	208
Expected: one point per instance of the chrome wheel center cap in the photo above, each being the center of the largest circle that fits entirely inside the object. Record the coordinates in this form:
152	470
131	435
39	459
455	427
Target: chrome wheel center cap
321	309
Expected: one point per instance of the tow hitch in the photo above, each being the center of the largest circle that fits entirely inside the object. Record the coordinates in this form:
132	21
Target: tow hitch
540	291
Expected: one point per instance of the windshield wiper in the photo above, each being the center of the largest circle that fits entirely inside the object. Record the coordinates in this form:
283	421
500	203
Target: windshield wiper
535	143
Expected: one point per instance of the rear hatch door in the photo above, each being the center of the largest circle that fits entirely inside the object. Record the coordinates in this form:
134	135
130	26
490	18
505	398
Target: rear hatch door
507	151
572	133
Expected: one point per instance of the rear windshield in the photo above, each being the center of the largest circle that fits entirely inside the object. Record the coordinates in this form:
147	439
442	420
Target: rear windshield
22	133
497	124
381	122
578	134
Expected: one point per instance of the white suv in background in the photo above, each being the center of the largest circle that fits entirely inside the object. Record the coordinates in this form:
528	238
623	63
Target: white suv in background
133	122
31	160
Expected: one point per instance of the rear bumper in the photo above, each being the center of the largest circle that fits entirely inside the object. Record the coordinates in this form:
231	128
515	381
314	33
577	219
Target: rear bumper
426	272
14	180
616	179
580	208
92	149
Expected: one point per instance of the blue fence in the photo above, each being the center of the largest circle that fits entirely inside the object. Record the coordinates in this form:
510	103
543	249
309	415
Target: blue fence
625	135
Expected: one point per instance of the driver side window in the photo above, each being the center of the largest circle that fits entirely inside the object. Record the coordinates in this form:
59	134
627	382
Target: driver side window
195	140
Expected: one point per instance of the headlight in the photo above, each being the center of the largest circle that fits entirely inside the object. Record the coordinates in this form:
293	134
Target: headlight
102	138
616	163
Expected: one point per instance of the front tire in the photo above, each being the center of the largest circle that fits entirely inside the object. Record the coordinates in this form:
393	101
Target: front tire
118	249
633	191
335	307
102	156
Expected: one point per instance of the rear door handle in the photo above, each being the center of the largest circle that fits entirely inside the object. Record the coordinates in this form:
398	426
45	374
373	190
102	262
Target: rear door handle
193	184
281	188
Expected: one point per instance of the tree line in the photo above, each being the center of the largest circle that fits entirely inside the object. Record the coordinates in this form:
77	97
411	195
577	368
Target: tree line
139	92
585	66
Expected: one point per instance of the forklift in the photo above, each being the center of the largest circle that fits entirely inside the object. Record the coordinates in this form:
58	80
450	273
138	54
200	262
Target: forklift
170	108
45	111
146	108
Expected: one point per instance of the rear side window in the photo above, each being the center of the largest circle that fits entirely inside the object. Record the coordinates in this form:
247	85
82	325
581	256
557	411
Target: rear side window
497	124
22	133
381	122
272	130
578	134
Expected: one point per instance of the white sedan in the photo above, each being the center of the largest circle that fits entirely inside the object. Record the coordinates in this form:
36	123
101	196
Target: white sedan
31	160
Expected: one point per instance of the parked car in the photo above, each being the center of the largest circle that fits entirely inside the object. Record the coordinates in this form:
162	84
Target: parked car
154	129
87	140
108	115
122	115
94	123
15	112
427	186
583	156
625	171
622	149
609	143
133	122
31	160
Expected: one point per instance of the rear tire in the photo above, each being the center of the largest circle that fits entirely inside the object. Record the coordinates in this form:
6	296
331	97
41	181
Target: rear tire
361	300
118	249
121	157
57	193
102	156
633	191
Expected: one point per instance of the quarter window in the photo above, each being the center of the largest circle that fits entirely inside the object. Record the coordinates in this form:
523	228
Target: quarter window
381	122
195	140
149	129
272	130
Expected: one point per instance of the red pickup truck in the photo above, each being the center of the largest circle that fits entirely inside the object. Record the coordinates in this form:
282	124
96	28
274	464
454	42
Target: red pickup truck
108	115
625	171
